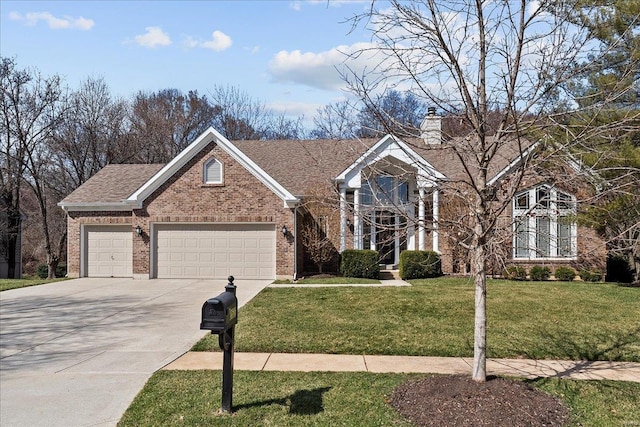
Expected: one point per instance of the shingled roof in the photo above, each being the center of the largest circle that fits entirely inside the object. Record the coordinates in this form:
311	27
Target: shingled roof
112	184
296	165
454	157
300	165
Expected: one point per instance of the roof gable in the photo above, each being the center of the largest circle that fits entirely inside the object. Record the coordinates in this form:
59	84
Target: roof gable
137	198
390	146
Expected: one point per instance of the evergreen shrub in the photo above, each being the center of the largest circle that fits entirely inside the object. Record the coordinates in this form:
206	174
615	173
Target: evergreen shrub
420	265
360	263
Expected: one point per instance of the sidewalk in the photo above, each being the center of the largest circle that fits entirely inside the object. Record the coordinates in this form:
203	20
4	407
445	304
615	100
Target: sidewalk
577	370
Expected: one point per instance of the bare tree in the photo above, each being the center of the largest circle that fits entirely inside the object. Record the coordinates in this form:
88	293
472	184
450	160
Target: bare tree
239	117
335	121
316	232
501	68
32	107
165	122
391	112
93	134
282	127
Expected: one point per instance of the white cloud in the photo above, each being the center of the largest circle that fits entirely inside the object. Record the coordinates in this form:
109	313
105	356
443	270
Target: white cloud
219	42
154	37
533	7
297	4
294	109
55	23
320	70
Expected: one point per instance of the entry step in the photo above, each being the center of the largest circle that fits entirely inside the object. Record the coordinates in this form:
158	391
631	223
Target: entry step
390	275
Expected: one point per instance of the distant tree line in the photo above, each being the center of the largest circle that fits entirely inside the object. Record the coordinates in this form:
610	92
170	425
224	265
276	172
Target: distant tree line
54	138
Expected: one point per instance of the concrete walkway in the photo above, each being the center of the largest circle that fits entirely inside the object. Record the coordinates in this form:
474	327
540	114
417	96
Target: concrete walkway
577	370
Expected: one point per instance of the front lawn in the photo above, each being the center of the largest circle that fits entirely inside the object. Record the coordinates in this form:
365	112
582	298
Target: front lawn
6	284
335	280
434	317
192	398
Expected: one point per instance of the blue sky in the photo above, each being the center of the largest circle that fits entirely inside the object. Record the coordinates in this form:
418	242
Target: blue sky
282	53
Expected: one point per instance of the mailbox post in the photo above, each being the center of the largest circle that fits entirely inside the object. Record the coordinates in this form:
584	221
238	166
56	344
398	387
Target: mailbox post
220	315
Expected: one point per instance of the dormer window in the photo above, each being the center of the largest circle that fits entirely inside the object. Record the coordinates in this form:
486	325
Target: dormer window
213	172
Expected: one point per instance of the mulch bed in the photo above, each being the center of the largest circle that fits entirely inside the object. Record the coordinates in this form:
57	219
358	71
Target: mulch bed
456	400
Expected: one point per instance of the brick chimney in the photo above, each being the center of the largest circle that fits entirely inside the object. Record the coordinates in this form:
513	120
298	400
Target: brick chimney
431	127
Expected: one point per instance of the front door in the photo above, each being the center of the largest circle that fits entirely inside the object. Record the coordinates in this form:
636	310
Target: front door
386	237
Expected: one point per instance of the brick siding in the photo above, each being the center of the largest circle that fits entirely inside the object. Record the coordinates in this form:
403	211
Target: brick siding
184	198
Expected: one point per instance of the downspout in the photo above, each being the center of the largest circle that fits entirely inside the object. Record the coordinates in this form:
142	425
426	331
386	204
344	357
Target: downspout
295	243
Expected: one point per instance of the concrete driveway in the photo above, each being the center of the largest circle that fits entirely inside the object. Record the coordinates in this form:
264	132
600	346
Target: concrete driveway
76	353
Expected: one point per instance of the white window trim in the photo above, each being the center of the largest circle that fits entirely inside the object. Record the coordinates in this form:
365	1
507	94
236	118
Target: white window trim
554	214
206	179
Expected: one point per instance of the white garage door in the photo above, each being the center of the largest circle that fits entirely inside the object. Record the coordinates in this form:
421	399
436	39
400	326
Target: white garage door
245	251
109	251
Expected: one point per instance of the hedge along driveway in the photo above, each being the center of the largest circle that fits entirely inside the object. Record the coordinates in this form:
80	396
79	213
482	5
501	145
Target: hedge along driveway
434	317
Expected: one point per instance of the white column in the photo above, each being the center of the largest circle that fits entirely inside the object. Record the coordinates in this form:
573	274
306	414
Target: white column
435	220
343	219
421	231
396	239
357	234
372	246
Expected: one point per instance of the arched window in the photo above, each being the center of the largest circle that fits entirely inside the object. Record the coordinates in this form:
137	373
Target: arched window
213	172
544	225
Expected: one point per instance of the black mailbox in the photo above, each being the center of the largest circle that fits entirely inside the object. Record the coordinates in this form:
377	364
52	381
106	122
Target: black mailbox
219	314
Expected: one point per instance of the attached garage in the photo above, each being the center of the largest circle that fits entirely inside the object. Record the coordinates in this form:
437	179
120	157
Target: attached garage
245	251
108	251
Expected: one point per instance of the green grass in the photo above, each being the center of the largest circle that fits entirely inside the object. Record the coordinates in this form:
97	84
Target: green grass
538	320
192	398
6	284
329	281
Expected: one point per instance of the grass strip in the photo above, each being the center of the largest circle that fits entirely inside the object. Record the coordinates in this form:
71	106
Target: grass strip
7	284
192	398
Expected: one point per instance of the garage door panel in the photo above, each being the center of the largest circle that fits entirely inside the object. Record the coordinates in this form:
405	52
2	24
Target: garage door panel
191	257
108	251
215	250
235	243
266	258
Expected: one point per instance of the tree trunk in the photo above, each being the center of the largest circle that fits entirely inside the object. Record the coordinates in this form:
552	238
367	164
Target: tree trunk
52	266
480	328
13	237
633	259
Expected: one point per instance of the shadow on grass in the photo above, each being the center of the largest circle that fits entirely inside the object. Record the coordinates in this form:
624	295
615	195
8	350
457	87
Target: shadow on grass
621	346
301	402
